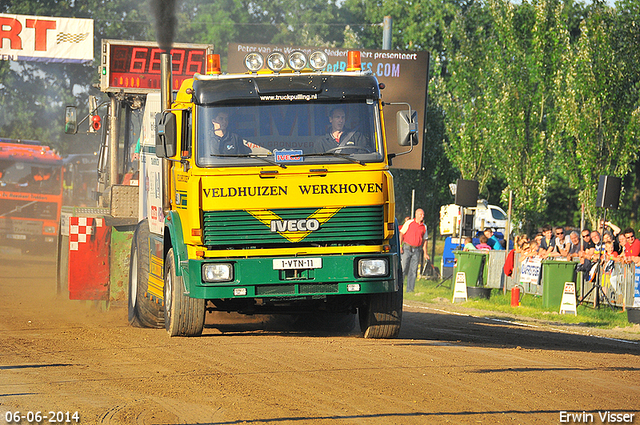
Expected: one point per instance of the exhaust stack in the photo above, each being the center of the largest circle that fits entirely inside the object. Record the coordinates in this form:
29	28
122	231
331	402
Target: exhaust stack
166	79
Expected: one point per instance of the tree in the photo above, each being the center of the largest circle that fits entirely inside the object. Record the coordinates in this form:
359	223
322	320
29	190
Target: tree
598	115
499	96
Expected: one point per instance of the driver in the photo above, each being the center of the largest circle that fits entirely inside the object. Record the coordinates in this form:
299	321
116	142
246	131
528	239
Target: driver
225	142
338	137
228	143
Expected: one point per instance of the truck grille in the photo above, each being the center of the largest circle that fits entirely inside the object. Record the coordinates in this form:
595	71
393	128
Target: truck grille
241	229
10	208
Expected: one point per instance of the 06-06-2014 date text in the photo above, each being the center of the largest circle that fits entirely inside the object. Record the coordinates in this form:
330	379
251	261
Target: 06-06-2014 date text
39	417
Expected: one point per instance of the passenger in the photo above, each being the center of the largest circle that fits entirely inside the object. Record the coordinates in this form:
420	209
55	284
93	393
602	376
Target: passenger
341	140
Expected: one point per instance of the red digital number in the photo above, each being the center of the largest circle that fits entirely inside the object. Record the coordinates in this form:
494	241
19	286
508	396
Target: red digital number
177	61
119	59
154	66
139	58
195	61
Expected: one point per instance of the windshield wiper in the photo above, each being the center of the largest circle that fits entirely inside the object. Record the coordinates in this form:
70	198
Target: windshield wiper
346	156
261	157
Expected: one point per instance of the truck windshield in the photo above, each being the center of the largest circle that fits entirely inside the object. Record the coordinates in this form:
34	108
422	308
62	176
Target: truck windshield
16	176
497	214
288	134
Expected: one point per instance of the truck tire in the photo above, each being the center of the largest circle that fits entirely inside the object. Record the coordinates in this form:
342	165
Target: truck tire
381	316
183	315
143	312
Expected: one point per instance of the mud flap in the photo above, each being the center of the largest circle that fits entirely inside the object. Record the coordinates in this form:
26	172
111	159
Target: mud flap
89	245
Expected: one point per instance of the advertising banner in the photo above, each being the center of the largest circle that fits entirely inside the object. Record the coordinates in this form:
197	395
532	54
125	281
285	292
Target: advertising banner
403	73
530	271
46	39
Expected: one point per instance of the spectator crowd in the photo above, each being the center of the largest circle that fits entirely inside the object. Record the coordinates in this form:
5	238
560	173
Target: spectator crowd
606	246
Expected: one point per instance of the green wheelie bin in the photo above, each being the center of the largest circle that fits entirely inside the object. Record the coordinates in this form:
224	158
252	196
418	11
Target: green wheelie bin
554	275
472	263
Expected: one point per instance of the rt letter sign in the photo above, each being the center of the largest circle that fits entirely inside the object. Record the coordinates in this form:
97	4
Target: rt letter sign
46	39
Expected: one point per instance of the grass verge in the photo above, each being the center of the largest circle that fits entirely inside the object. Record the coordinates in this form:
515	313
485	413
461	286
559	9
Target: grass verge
427	291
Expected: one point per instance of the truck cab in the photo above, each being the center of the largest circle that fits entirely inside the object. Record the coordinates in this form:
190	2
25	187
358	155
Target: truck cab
477	218
254	203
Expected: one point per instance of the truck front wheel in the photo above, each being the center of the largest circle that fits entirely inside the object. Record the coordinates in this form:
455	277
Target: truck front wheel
143	312
183	315
381	315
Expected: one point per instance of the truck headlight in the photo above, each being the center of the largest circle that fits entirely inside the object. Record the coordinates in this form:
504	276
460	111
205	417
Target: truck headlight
297	60
49	229
217	272
373	267
254	61
276	61
318	60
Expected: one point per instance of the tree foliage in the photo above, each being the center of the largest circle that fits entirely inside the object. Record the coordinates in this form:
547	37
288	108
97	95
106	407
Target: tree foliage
596	109
533	102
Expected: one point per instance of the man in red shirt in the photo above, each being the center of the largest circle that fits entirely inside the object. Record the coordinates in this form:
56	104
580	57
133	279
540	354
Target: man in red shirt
413	246
632	248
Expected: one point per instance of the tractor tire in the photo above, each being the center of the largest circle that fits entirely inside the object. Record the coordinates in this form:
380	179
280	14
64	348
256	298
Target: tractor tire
183	315
381	316
143	311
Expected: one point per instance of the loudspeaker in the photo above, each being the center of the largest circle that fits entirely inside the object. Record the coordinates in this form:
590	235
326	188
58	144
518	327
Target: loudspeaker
467	193
467	228
608	192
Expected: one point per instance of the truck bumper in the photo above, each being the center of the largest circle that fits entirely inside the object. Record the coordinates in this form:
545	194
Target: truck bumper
257	277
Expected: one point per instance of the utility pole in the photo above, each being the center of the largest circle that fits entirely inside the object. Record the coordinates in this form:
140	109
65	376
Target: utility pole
386	33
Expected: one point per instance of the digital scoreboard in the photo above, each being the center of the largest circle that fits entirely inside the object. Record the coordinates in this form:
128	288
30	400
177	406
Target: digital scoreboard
134	66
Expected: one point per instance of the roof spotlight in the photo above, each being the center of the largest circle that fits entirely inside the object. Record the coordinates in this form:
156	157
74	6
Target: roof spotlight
297	60
318	60
276	61
254	61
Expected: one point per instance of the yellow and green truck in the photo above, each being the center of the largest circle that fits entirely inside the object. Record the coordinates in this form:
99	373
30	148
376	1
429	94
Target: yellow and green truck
247	202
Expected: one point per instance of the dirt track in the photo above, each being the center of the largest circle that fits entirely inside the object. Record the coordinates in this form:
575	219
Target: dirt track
58	355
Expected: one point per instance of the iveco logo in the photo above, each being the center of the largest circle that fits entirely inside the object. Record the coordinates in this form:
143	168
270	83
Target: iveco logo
305	225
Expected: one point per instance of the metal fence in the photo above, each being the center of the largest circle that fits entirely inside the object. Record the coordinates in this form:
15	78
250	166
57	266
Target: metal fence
617	283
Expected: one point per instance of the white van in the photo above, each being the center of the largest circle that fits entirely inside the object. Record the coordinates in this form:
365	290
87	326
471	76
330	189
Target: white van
484	215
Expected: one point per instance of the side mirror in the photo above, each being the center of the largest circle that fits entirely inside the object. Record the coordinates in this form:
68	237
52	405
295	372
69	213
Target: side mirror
407	127
70	120
165	135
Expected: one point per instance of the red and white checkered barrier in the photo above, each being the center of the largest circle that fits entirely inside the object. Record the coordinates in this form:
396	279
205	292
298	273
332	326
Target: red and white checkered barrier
81	229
